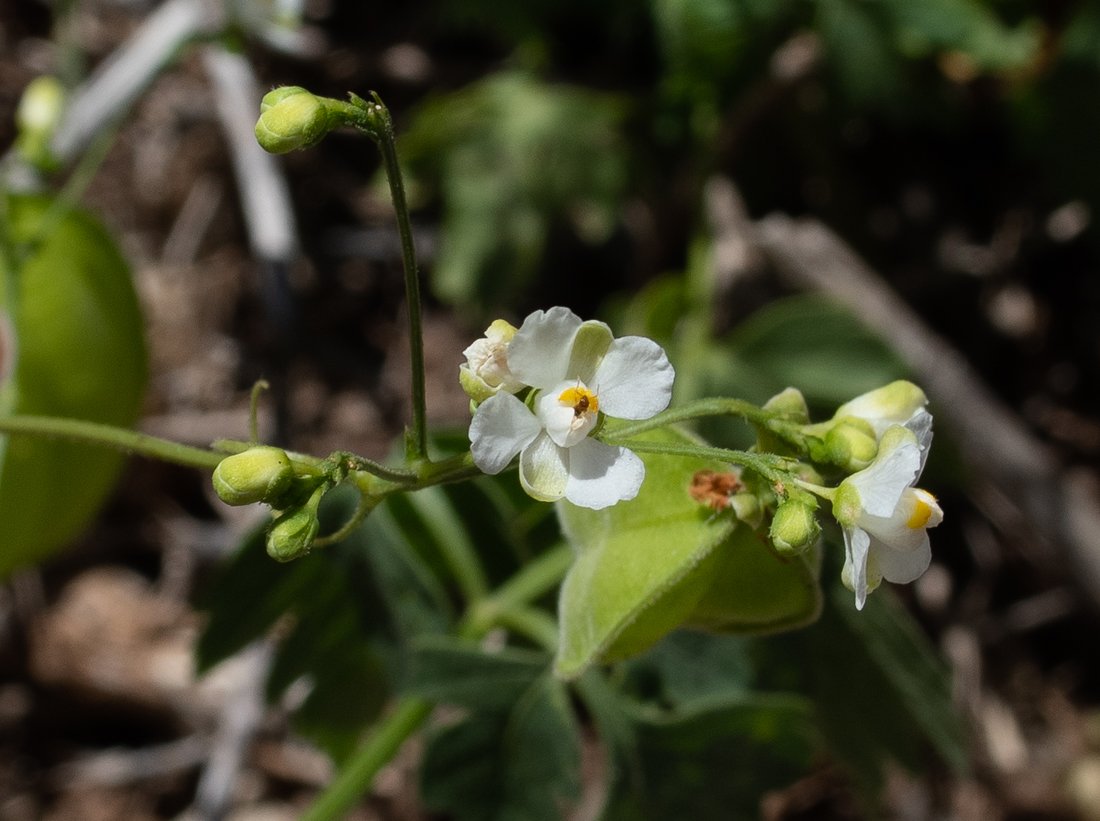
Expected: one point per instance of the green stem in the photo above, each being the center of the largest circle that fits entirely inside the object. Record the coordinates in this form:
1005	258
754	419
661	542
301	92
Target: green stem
94	433
531	582
697	410
367	503
771	467
453	469
373	118
535	579
535	624
441	520
253	411
356	777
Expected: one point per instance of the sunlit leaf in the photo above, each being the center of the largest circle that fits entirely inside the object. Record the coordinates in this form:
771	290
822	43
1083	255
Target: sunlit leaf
79	353
615	600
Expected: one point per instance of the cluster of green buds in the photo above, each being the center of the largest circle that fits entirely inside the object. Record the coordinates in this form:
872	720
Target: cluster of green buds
265	474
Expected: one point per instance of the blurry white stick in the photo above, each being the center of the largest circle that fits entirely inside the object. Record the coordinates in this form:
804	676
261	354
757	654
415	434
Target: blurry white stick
112	88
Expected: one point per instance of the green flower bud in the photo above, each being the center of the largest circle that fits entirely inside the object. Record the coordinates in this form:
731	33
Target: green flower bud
39	112
259	474
291	117
292	534
791	403
851	444
794	527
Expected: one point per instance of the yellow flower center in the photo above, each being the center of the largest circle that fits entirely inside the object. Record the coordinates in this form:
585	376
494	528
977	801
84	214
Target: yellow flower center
922	512
581	399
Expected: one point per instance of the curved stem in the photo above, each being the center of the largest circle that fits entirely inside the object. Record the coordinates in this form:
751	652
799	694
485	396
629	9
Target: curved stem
535	579
356	777
109	436
767	465
253	409
401	476
701	408
367	503
508	605
535	624
453	469
373	119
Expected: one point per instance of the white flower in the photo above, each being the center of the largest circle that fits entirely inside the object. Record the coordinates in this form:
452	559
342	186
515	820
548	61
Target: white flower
885	519
579	370
486	370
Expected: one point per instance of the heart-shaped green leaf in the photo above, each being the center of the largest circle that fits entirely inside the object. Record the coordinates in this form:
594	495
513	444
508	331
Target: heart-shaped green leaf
79	352
623	592
754	591
661	561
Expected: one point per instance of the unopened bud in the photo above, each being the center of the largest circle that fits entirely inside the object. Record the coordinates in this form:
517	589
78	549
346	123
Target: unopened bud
486	371
290	117
791	403
258	474
794	527
292	534
851	444
37	116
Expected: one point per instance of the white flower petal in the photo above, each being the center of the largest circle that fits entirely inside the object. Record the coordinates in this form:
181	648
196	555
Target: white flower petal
921	425
634	381
895	468
893	404
561	419
601	475
501	428
903	566
539	353
544	469
857	546
591	343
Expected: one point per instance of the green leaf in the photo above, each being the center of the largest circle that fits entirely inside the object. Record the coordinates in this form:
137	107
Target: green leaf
715	758
859	44
685	666
623	592
522	763
880	689
349	614
512	155
79	353
455	672
967	26
754	591
805	342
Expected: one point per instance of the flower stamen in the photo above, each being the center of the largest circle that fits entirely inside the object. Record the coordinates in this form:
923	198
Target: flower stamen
581	400
922	510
